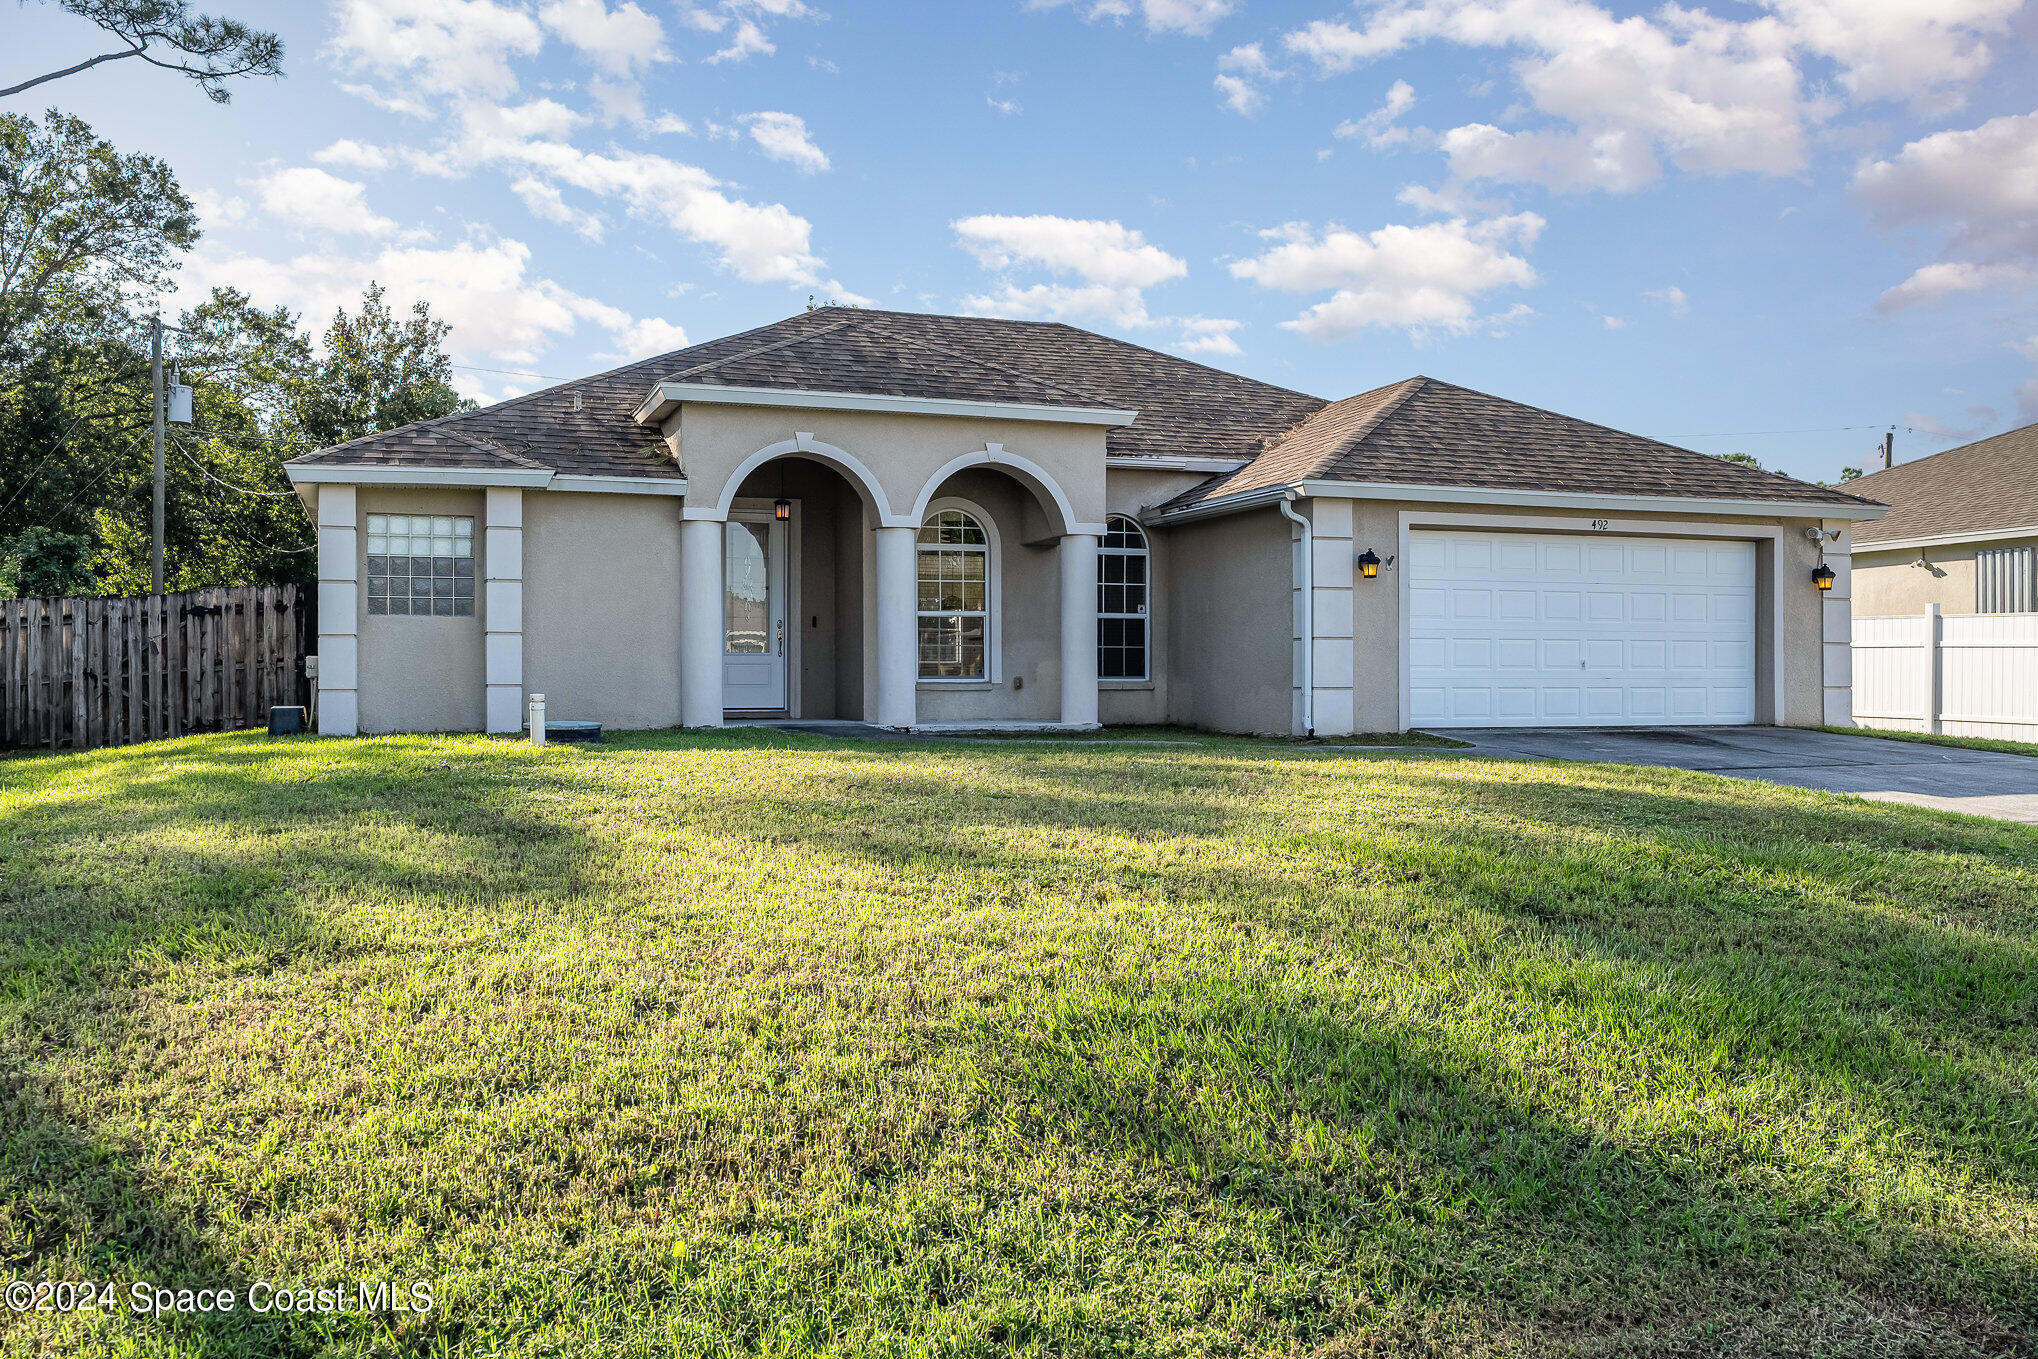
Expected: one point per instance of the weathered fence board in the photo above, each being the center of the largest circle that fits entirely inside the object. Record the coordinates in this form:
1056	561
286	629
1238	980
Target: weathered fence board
81	673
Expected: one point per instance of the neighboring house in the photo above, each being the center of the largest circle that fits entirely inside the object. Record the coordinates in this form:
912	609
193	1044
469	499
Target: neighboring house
934	520
1961	532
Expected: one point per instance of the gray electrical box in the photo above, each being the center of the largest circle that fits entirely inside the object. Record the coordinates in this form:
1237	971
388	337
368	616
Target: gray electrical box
177	404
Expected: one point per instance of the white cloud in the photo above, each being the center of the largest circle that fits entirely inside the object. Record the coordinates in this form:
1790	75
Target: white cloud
1242	74
618	41
1979	186
1193	17
320	201
1614	322
1207	335
641	338
1112	265
1898	48
441	47
218	210
2027	391
1415	278
749	41
783	136
484	291
1378	127
1008	107
544	200
1672	297
348	152
1979	418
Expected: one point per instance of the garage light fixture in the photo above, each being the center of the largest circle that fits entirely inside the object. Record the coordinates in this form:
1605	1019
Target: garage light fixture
1823	577
1369	563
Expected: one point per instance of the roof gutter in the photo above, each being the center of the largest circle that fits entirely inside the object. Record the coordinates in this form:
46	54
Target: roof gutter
1489	495
1946	539
530	479
1304	572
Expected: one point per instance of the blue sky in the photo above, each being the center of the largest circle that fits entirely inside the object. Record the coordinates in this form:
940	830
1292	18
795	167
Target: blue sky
1777	228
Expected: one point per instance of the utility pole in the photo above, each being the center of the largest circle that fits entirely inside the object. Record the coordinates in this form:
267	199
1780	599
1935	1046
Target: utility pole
156	363
1889	450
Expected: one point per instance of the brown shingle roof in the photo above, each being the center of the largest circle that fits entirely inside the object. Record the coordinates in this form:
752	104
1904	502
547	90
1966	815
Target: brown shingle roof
1422	432
1990	484
1184	407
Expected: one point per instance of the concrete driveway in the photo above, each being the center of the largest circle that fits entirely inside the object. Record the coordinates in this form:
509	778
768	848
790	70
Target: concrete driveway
1978	782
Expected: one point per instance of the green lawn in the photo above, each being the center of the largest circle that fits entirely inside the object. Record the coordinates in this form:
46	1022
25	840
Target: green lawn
767	1045
1935	739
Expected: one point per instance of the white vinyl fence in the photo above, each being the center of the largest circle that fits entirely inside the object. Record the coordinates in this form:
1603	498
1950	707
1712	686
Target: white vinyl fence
1964	675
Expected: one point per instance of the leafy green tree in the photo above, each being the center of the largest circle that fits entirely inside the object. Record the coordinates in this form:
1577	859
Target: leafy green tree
1739	459
41	562
378	372
1849	473
167	34
85	233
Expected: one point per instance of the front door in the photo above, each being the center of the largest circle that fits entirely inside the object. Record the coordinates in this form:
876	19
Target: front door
753	612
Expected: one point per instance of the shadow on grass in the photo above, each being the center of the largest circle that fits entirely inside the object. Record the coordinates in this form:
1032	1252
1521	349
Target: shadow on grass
1882	955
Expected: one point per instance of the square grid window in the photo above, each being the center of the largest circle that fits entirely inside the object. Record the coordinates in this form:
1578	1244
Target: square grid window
1122	602
421	564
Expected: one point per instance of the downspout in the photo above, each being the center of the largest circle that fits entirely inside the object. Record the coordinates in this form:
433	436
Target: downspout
1308	662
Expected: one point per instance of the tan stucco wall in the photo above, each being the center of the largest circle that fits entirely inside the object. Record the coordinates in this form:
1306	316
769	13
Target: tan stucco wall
903	452
1128	492
1377	603
420	674
1230	610
601	607
1028	620
1890	583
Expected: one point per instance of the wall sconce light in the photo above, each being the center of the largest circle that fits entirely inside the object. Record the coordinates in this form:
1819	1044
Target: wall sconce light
1369	563
782	509
1823	577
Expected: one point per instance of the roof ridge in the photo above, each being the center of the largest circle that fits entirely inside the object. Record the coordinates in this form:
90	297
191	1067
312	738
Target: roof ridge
1645	438
495	449
999	367
1409	387
788	341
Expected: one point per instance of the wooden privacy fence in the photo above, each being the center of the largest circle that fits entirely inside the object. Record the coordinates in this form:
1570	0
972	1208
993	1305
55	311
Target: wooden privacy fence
82	673
1972	674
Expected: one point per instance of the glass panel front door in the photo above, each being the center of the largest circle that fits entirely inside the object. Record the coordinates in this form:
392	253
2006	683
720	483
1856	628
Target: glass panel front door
753	613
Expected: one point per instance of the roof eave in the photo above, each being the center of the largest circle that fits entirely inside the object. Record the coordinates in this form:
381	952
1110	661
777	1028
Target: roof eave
665	397
530	479
1496	495
1947	539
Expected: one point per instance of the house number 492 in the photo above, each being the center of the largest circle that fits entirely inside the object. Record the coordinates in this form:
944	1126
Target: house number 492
1599	525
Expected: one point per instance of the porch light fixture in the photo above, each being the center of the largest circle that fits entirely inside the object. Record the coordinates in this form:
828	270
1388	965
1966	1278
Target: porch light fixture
781	509
1823	577
1369	563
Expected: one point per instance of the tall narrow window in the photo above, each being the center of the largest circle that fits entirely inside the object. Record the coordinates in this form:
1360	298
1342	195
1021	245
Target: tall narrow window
2005	581
1122	596
421	564
955	602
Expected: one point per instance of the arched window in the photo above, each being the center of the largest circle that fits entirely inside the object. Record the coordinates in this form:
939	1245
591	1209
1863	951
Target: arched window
955	575
1122	597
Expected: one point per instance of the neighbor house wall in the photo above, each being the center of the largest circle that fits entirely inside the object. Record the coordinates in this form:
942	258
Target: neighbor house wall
601	607
420	674
1229	605
1891	582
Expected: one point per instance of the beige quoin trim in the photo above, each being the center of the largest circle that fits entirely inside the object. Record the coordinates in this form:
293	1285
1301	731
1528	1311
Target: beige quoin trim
339	612
1644	528
503	609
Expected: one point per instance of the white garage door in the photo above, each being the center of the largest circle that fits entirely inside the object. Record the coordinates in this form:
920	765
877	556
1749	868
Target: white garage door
1554	629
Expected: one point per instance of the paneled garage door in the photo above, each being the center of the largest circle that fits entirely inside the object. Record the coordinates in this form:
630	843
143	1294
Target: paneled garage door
1554	629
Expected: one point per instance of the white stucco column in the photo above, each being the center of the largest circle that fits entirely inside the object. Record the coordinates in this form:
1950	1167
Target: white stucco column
700	622
502	609
339	612
1078	552
898	629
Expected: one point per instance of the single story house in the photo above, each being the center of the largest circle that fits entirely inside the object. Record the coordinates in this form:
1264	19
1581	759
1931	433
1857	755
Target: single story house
924	521
1961	532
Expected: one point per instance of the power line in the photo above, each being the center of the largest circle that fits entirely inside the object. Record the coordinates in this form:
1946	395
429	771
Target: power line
185	454
510	372
1755	433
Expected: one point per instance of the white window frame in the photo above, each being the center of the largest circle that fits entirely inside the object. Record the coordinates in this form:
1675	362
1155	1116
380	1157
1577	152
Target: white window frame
471	536
1144	617
994	602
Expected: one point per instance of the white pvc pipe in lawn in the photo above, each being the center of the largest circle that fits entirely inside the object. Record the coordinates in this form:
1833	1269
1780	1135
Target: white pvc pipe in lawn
537	719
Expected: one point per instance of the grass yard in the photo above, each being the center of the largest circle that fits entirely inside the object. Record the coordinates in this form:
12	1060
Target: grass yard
1936	739
760	1044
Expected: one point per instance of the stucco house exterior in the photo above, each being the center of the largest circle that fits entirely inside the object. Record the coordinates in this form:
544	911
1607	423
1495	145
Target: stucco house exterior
927	521
1961	532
